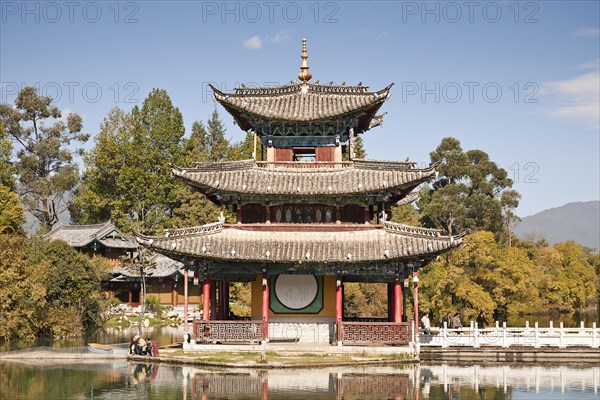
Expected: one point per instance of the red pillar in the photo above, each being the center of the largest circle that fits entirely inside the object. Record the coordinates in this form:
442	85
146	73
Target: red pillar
416	299
367	215
185	299
338	215
397	301
339	307
265	388
265	306
338	300
206	298
268	214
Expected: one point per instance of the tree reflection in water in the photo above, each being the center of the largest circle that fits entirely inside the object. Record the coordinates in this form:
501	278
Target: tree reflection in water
123	380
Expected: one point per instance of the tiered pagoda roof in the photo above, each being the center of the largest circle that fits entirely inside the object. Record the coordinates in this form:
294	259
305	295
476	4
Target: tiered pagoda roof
305	109
229	243
306	103
306	179
305	114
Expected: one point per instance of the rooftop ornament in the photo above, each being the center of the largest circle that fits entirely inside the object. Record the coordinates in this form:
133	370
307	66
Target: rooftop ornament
304	75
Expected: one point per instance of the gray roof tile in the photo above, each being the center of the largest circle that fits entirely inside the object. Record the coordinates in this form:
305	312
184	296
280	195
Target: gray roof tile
214	241
83	235
305	179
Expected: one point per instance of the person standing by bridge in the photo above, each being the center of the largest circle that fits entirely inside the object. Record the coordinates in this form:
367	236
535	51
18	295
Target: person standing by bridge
481	321
447	319
456	324
426	324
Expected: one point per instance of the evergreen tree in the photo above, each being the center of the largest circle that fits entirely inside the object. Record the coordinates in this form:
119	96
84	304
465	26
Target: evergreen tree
468	193
203	145
47	173
128	176
218	145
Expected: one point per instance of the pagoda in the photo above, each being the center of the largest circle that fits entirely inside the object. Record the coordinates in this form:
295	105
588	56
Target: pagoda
309	219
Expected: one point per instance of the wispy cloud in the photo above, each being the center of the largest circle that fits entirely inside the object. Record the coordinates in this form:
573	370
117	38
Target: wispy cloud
587	32
256	42
252	43
592	64
279	37
575	99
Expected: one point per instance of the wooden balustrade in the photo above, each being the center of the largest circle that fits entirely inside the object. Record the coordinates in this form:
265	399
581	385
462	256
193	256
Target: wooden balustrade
228	331
398	333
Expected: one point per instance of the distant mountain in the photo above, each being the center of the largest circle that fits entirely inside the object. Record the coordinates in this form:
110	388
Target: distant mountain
574	221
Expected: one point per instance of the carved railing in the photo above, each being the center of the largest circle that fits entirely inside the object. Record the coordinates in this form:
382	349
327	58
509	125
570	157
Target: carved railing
206	229
395	227
228	331
398	333
303	165
365	319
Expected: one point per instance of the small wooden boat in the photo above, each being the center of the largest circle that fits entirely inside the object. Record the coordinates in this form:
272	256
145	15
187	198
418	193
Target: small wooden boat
107	349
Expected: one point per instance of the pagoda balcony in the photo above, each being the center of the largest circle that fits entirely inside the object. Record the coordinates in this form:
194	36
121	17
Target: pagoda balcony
292	227
311	165
304	164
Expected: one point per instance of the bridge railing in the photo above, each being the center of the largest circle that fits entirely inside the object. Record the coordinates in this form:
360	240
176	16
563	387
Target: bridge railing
503	336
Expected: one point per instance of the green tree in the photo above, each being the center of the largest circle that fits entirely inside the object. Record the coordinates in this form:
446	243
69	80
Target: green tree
218	146
206	145
196	148
100	186
12	215
509	201
405	214
243	150
468	192
47	173
72	285
128	173
359	149
22	291
575	276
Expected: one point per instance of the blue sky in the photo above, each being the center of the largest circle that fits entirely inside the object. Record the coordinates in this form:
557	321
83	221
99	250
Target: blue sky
519	80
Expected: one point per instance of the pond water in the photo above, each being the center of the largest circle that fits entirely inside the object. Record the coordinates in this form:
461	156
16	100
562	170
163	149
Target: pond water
125	380
166	335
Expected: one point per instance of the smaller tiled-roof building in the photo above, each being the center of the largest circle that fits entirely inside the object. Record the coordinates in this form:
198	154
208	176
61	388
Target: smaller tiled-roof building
101	239
105	239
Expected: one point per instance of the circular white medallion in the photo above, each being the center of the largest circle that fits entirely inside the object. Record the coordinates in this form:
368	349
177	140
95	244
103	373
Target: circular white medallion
296	291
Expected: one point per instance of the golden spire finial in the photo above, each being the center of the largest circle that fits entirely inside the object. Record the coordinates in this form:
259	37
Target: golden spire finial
304	75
